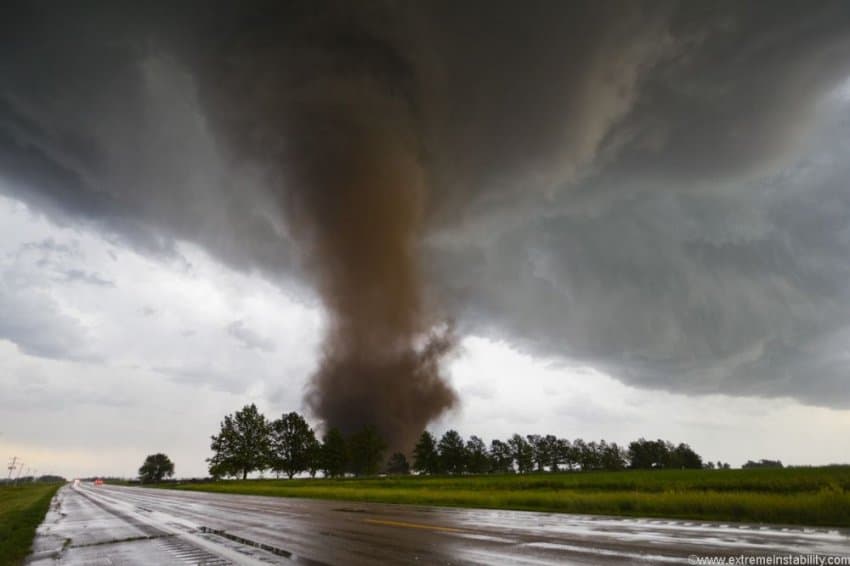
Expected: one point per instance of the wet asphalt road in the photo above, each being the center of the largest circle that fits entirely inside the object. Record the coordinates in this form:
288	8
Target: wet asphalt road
111	525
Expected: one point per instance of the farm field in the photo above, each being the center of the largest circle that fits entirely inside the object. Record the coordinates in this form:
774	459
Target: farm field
22	509
802	496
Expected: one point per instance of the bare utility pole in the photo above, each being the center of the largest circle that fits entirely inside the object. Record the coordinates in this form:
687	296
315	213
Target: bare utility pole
20	470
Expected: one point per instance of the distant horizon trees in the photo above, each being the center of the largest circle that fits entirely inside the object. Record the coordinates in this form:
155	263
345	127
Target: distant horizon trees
775	464
248	442
659	454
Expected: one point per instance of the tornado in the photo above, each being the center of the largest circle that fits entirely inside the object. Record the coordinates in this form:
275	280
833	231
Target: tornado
326	104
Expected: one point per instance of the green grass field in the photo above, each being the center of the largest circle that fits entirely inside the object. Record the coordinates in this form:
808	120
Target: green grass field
22	509
803	496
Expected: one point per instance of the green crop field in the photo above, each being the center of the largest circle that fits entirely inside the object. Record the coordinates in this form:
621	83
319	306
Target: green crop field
22	509
804	496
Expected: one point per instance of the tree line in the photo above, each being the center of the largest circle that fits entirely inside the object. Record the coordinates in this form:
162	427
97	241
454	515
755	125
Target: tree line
247	442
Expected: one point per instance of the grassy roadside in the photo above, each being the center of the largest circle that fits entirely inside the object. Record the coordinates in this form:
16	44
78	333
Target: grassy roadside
803	496
22	509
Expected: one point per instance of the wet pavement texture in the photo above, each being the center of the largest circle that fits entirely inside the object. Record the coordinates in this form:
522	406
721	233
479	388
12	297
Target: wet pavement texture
113	525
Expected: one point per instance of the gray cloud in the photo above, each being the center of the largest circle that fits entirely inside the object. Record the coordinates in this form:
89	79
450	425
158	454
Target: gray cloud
36	325
204	375
81	276
36	393
249	338
657	189
50	246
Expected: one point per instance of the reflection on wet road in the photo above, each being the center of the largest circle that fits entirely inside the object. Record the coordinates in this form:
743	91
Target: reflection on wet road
133	526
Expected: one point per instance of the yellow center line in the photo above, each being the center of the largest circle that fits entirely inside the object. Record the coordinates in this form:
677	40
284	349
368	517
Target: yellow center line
413	525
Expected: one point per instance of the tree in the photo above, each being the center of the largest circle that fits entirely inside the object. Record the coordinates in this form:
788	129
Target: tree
647	454
553	458
397	465
452	452
334	454
477	459
564	454
501	457
291	442
762	464
540	451
242	446
156	467
588	455
684	457
523	454
425	457
611	456
580	453
314	456
366	450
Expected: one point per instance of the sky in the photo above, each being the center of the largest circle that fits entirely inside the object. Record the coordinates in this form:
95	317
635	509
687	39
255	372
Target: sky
613	220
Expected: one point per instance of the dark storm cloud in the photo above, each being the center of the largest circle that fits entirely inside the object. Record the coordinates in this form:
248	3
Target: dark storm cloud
656	189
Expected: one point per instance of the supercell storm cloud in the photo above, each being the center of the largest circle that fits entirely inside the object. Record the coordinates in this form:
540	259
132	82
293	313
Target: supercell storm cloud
658	190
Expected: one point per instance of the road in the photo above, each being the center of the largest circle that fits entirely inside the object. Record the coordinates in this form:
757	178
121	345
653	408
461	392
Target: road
99	525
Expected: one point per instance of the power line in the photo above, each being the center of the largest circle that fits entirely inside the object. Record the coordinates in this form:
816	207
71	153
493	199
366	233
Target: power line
20	470
12	466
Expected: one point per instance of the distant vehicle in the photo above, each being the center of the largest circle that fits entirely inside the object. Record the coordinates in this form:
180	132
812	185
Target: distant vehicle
98	481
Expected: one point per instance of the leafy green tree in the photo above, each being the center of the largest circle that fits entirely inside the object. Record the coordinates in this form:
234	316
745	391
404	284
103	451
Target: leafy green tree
590	456
397	465
648	454
291	440
366	449
242	445
611	456
452	452
523	454
155	468
644	454
682	456
477	459
426	459
563	454
314	456
540	451
501	457
552	458
334	454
